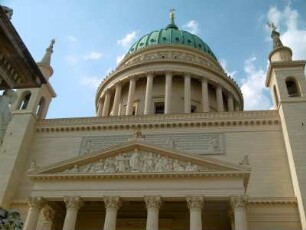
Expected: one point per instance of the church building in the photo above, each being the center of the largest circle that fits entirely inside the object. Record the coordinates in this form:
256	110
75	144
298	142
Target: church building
170	147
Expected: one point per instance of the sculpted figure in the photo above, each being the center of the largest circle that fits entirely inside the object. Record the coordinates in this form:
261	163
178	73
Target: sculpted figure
120	163
134	161
148	163
177	167
9	97
75	169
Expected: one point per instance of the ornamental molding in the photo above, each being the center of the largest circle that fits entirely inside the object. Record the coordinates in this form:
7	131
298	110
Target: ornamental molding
195	120
137	159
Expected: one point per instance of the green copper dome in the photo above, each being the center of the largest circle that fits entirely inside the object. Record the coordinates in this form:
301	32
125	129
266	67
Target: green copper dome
174	36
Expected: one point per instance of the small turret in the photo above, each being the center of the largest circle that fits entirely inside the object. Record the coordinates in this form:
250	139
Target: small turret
279	52
45	63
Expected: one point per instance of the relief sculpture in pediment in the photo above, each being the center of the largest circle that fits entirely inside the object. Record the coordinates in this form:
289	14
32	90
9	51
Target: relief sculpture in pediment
136	161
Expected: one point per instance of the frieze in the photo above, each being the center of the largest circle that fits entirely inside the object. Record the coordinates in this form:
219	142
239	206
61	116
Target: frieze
196	143
136	162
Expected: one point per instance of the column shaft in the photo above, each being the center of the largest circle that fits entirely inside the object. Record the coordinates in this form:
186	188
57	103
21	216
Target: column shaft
73	205
36	204
153	204
195	205
220	106
237	108
129	105
112	205
168	93
238	204
187	92
100	107
117	99
148	99
106	104
230	103
205	99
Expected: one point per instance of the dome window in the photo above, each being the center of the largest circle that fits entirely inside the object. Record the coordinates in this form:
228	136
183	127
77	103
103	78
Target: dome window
200	46
189	41
177	39
141	44
152	40
164	38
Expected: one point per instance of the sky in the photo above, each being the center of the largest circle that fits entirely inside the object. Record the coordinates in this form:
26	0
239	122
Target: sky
92	36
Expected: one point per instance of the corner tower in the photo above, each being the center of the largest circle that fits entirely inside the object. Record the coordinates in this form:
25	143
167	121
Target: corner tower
31	105
287	83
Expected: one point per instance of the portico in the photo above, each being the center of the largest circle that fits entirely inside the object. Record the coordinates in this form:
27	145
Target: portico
135	189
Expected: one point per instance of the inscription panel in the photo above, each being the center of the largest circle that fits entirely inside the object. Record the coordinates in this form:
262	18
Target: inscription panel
196	143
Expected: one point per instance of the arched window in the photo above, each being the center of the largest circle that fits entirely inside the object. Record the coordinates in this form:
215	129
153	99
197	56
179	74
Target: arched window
40	107
24	101
275	95
292	88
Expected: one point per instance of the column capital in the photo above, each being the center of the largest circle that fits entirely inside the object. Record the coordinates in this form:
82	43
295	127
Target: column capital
195	202
132	78
118	84
112	202
150	73
187	74
73	202
36	202
238	202
169	73
153	201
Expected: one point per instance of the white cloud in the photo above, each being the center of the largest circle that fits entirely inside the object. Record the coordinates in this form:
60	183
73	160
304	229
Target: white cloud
71	59
128	39
292	36
90	81
92	56
253	88
223	63
192	26
119	58
71	38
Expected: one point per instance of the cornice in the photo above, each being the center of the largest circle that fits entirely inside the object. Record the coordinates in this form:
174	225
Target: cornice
164	175
272	200
160	121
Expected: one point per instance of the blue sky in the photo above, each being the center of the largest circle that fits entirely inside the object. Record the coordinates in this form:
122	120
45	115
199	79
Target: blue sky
92	36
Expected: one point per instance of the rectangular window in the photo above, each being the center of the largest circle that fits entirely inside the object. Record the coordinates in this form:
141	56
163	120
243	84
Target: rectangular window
159	107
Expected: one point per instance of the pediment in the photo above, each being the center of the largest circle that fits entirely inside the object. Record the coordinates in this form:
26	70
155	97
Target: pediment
135	158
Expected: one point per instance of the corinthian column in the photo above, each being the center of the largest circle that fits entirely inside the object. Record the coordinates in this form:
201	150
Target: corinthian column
220	106
117	99
153	204
195	205
106	104
112	204
148	99
73	205
35	205
205	99
187	92
238	204
168	93
129	105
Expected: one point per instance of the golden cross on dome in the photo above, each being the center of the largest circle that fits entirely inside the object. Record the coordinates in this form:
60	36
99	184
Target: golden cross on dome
271	26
